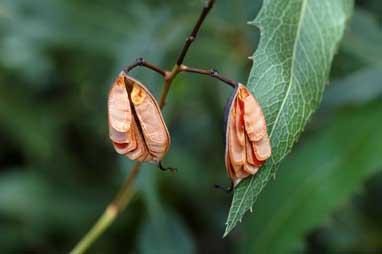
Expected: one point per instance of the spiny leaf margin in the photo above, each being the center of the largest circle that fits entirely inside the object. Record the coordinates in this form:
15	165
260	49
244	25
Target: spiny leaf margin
291	65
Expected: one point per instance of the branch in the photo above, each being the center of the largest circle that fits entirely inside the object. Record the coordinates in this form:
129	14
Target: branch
212	73
123	197
191	38
141	62
111	212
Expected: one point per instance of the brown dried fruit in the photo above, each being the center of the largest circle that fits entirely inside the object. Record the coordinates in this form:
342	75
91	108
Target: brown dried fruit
136	125
247	141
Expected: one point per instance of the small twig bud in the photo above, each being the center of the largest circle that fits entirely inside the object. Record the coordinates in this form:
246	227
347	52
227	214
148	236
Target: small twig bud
139	60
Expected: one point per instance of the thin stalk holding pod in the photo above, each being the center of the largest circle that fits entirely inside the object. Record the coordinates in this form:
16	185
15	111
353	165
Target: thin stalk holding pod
124	196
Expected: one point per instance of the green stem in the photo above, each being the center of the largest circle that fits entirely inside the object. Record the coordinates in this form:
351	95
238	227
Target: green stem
123	197
109	215
101	225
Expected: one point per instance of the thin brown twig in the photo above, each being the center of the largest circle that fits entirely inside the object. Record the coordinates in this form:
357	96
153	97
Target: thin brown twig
212	73
141	62
123	197
191	38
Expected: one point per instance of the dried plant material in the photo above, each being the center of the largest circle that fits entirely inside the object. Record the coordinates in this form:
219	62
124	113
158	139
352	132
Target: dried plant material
247	141
136	125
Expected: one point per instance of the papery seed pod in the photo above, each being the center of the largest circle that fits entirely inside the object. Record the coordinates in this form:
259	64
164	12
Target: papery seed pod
247	144
136	125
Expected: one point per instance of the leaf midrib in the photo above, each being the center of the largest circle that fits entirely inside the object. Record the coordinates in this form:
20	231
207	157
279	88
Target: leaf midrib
302	14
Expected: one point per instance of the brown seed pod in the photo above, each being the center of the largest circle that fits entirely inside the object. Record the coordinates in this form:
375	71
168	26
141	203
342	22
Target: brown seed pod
247	144
136	125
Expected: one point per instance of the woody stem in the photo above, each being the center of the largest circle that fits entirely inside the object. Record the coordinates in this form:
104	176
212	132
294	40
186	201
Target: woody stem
170	76
141	62
212	73
191	38
123	197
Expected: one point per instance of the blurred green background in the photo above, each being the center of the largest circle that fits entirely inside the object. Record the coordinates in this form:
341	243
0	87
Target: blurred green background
58	169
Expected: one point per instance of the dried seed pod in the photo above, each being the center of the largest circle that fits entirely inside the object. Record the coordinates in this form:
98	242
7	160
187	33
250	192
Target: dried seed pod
247	144
136	125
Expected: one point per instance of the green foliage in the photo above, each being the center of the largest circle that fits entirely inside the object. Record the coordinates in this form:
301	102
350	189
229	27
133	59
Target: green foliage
58	169
162	229
166	233
349	90
364	38
356	227
318	176
292	63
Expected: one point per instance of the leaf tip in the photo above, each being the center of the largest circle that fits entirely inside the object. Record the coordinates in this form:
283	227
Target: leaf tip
226	232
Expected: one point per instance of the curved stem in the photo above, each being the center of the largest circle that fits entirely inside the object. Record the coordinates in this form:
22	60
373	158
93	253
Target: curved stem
167	84
124	196
141	62
191	38
212	73
110	213
170	76
99	227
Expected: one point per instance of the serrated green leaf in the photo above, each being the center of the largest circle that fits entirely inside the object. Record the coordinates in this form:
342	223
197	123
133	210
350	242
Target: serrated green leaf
318	176
291	66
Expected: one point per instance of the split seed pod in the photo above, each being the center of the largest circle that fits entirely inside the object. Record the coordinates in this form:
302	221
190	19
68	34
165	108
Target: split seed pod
247	141
136	125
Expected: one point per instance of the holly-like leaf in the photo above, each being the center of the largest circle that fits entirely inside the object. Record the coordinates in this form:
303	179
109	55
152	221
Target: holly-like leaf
291	65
